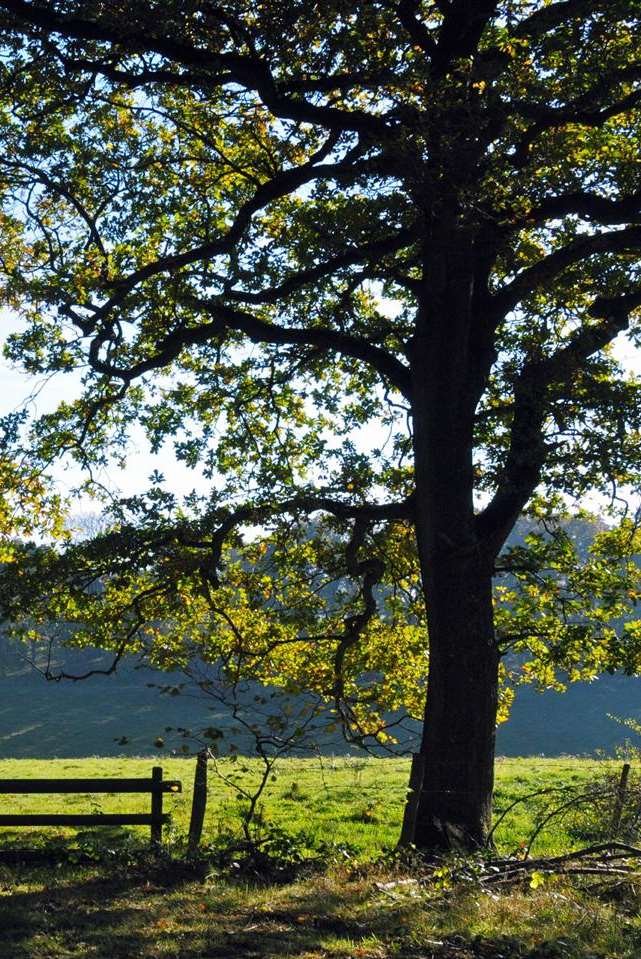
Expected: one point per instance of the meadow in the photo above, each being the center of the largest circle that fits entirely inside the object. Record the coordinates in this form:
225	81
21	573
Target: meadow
357	802
104	895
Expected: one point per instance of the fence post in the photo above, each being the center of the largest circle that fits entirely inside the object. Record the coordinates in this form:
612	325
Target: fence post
619	801
156	806
199	803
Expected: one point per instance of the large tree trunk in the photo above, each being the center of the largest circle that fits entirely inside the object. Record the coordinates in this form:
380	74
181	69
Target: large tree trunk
457	750
456	758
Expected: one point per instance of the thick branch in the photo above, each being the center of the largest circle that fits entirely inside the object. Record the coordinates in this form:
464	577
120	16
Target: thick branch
589	103
317	503
461	31
258	331
420	36
134	78
307	503
616	306
589	206
527	451
129	547
297	281
548	17
548	268
279	186
550	118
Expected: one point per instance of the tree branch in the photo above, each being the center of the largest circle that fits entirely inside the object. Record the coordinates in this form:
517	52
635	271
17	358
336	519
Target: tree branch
318	502
346	344
250	72
545	271
371	570
132	79
463	25
307	503
549	118
550	16
281	185
587	103
420	36
146	77
56	187
589	206
528	451
259	331
298	280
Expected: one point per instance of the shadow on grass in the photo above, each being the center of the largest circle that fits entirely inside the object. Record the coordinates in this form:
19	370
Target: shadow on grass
126	918
78	917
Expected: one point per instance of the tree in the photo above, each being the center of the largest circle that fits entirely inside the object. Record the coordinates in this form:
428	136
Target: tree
264	227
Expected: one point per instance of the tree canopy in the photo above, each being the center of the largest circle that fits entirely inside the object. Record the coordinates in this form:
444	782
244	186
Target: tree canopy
362	264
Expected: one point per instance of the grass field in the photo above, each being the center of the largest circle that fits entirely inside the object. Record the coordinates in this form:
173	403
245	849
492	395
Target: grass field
349	808
356	802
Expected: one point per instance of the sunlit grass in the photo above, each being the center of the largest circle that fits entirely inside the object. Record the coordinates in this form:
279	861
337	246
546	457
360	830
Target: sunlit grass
357	802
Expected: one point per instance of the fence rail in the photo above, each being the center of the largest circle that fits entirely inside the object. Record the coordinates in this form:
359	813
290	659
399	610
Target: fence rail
156	786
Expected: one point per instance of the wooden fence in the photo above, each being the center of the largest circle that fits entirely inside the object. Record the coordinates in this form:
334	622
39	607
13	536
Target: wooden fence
155	819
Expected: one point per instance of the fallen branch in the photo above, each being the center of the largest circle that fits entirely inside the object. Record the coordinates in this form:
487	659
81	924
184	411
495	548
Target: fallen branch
608	859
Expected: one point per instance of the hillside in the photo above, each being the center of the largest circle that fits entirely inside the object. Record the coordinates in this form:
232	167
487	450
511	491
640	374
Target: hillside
46	719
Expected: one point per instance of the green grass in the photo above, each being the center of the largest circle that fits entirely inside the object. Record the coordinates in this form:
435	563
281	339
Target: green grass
127	909
356	802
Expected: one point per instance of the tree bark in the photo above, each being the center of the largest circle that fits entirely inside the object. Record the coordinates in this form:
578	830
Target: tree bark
455	801
455	798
